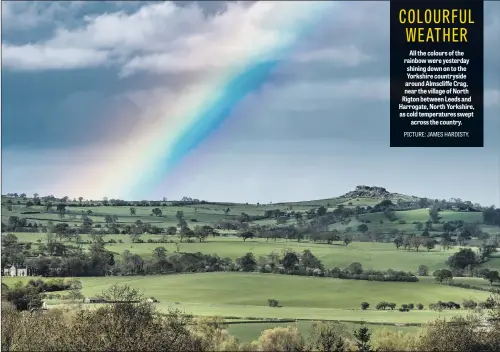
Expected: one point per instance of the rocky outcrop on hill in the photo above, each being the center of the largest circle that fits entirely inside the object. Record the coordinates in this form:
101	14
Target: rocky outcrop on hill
368	192
363	191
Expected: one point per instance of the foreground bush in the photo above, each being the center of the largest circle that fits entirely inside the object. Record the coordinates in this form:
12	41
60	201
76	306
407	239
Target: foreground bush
281	339
388	340
460	334
114	327
329	337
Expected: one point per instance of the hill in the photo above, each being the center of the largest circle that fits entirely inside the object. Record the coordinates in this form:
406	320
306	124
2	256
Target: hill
363	196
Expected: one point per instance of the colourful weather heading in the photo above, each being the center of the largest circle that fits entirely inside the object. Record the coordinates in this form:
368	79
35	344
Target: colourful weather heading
436	17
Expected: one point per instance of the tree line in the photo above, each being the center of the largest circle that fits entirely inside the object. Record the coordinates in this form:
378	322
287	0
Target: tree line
99	261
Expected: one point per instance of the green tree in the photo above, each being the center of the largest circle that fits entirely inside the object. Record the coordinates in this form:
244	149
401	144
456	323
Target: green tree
290	260
14	222
355	268
363	337
321	211
362	228
246	235
24	298
8	205
247	262
398	241
492	276
179	215
463	258
416	242
443	275
9	240
430	243
160	253
423	202
75	289
327	337
48	206
309	260
202	232
347	239
171	231
434	214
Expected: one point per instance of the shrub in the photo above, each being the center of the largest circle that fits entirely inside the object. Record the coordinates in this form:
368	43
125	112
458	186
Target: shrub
423	270
420	306
411	306
469	304
279	339
490	303
365	305
387	340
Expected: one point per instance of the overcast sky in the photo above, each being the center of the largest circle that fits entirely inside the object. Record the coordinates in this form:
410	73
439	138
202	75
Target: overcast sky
317	128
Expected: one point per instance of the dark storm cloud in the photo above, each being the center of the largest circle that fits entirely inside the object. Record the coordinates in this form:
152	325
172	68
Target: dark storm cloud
68	109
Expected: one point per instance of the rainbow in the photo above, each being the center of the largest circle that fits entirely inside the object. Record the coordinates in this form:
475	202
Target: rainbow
141	163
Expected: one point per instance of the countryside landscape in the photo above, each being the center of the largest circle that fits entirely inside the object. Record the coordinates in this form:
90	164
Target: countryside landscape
368	259
196	176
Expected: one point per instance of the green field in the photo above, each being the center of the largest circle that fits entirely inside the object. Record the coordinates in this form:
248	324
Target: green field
210	213
240	297
422	215
245	295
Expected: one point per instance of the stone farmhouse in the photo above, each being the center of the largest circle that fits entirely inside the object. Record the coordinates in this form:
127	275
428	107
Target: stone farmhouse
17	270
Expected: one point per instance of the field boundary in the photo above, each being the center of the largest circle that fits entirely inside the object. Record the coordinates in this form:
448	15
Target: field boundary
251	320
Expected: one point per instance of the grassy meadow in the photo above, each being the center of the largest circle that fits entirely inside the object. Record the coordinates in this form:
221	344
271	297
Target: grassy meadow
249	293
240	297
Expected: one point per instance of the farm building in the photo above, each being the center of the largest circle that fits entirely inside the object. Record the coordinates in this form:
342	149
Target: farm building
16	270
94	300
